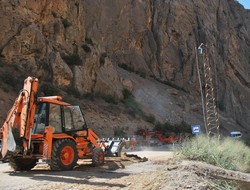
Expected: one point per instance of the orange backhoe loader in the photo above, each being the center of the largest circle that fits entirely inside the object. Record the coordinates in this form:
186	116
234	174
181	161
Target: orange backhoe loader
49	129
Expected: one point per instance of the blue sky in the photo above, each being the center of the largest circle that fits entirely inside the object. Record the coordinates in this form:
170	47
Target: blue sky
245	3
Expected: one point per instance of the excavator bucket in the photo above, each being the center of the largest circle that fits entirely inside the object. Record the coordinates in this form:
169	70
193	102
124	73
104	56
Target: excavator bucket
19	118
8	143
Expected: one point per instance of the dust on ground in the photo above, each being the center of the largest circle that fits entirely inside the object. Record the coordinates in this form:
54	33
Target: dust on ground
154	168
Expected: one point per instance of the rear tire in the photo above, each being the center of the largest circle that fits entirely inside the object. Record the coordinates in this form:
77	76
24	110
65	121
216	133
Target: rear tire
64	155
98	157
22	164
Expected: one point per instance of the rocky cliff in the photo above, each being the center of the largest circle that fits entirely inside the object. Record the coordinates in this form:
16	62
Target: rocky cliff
147	47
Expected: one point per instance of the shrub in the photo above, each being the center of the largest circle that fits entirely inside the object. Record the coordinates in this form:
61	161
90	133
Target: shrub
89	96
126	93
86	48
66	23
132	104
132	70
54	14
107	98
176	128
141	74
71	90
16	82
49	90
56	28
119	132
102	58
134	107
149	118
229	153
185	127
70	100
73	59
89	41
166	127
110	99
1	63
221	105
126	67
171	84
7	78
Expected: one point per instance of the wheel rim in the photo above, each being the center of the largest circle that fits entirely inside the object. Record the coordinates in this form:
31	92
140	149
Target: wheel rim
67	155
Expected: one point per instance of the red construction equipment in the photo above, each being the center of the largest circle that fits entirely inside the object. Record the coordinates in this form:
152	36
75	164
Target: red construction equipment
159	135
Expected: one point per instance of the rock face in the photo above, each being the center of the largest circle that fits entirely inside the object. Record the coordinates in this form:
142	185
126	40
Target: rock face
98	46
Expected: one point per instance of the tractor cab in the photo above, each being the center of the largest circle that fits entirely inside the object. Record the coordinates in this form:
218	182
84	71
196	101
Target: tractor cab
64	118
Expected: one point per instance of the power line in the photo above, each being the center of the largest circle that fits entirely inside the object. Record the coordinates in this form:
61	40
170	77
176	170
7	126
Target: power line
210	114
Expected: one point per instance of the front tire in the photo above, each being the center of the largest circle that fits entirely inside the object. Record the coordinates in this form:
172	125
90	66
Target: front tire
64	155
97	157
22	164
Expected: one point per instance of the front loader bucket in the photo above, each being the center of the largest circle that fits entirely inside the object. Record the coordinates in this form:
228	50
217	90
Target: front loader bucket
113	147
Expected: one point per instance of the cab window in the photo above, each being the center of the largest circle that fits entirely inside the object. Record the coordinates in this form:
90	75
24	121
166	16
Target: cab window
73	118
55	117
40	119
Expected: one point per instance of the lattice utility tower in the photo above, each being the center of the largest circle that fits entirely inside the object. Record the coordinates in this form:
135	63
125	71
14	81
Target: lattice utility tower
211	118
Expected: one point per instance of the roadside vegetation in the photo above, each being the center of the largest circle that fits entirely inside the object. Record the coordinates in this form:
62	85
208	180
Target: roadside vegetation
168	127
228	153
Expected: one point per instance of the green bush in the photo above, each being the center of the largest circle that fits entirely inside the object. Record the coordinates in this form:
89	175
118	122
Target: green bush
1	63
56	28
149	118
119	132
71	90
166	127
141	74
16	82
132	104
131	69
185	127
126	67
89	41
86	48
66	23
89	96
229	153
126	93
7	78
134	109
110	99
70	100
54	14
73	59
182	127
102	58
171	84
221	105
107	98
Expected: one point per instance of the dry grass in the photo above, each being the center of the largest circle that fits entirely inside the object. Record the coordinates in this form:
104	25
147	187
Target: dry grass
228	153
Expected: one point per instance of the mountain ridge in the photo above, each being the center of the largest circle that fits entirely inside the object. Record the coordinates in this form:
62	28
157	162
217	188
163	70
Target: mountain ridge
105	47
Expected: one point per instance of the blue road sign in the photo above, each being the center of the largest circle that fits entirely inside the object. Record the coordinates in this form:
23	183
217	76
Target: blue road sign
196	129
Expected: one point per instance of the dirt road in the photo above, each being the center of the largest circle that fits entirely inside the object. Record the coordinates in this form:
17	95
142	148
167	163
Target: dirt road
160	171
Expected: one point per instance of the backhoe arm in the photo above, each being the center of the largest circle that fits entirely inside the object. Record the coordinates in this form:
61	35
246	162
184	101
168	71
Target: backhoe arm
20	118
